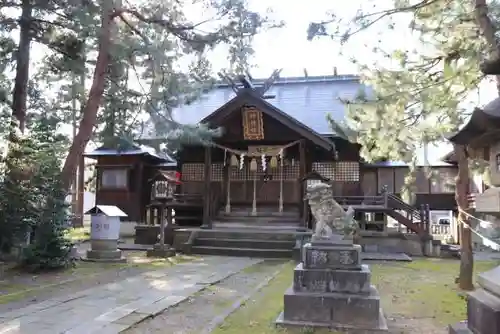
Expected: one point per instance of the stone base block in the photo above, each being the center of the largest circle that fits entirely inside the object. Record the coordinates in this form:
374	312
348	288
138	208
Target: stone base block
380	327
120	260
483	312
104	256
490	280
103	245
460	328
328	308
161	251
331	256
340	280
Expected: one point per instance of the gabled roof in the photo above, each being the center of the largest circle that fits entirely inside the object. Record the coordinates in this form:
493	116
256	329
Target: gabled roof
249	96
108	210
307	99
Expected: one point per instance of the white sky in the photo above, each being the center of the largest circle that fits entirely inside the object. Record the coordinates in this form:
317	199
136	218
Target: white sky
288	48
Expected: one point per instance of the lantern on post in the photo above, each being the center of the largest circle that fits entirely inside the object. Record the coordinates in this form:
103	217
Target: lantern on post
162	192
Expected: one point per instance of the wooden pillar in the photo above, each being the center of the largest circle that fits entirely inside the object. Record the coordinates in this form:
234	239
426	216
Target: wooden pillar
302	172
307	221
207	220
139	179
98	187
227	182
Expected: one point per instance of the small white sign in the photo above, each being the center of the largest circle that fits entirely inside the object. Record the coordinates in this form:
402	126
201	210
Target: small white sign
103	227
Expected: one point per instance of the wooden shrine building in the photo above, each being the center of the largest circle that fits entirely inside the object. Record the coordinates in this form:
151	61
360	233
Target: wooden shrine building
275	139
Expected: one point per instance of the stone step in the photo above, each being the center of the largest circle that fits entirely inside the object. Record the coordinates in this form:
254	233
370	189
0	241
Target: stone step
246	252
247	234
261	212
257	225
245	243
260	219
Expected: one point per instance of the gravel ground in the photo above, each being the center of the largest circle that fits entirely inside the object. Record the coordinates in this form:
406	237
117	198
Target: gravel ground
193	315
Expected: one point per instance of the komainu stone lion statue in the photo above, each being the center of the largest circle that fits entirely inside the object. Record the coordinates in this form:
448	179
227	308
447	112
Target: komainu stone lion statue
331	219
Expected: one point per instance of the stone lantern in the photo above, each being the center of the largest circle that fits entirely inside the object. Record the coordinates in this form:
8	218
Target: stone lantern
481	136
162	193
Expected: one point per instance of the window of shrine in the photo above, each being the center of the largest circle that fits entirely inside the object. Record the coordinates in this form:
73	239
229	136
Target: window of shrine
114	178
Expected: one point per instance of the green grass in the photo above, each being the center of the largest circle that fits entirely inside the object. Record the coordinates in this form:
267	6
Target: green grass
78	234
422	290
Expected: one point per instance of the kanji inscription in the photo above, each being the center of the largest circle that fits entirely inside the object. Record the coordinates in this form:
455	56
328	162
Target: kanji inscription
253	124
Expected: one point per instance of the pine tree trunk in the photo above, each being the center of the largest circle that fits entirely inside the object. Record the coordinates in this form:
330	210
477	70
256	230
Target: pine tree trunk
81	163
89	117
20	92
465	278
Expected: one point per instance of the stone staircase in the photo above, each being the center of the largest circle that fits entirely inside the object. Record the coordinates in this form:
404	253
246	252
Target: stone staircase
269	234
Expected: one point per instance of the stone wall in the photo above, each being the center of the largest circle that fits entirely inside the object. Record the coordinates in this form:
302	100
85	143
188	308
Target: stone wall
127	229
384	242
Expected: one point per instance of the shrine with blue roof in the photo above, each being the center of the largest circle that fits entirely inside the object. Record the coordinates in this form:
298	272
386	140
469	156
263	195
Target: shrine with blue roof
276	138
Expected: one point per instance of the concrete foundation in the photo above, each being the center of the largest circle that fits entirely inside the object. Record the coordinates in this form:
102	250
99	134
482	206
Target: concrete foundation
104	251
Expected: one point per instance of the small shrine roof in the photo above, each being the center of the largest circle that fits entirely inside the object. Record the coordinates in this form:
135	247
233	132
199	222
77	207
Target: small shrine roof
480	123
119	146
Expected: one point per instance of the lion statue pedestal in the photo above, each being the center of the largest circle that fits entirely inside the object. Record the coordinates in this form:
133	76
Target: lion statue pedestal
331	287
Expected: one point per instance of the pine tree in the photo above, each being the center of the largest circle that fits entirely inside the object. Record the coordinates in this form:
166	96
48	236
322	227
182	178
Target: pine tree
50	249
421	100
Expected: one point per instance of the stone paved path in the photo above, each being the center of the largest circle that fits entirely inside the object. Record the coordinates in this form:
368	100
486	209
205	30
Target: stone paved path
196	314
114	307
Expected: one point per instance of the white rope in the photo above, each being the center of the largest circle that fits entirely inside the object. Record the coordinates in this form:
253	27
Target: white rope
482	223
486	241
239	152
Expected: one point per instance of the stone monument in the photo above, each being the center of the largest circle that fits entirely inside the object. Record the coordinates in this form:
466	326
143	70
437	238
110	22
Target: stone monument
104	234
331	287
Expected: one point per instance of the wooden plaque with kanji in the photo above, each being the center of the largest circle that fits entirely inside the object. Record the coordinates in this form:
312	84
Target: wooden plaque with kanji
253	124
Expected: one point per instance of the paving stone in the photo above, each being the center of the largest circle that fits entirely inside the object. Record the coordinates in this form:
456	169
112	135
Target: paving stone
86	328
126	309
131	319
114	307
159	306
113	328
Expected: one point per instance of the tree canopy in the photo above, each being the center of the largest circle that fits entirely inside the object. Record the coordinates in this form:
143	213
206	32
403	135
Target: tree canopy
421	98
80	71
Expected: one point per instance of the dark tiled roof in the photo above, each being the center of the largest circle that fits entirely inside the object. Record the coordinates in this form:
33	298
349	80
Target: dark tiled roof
308	100
123	147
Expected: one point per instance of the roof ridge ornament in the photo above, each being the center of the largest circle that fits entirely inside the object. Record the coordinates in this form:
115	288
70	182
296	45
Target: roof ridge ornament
247	84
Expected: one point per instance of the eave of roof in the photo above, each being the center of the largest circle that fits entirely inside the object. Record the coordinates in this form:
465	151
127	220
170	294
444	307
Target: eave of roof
392	164
142	151
480	123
